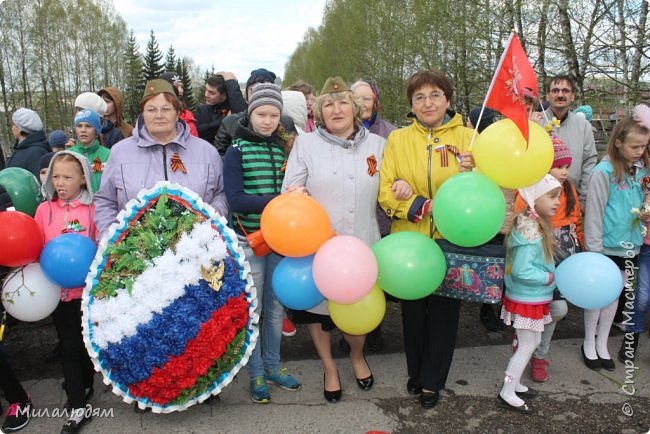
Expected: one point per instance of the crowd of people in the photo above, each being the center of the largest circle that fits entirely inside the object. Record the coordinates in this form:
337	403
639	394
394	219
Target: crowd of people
241	150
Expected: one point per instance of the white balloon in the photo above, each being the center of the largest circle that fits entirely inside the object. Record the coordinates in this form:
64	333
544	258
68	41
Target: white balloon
28	295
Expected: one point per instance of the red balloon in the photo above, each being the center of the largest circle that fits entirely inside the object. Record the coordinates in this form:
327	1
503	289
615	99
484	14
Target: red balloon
21	240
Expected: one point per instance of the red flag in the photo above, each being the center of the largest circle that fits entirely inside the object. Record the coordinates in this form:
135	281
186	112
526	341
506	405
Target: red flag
513	79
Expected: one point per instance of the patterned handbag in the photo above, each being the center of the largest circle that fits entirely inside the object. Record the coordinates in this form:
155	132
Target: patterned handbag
473	273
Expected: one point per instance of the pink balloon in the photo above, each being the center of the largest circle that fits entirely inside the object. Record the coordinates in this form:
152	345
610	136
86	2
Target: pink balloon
344	269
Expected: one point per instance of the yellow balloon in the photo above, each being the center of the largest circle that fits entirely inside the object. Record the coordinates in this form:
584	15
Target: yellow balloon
362	316
500	153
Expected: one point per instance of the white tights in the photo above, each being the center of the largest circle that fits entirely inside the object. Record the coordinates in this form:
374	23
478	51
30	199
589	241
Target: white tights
598	322
528	340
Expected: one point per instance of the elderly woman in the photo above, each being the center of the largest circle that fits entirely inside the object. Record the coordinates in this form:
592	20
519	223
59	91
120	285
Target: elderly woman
160	149
334	165
368	93
423	155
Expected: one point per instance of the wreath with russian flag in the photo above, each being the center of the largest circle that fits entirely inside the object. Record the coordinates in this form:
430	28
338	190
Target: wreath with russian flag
168	308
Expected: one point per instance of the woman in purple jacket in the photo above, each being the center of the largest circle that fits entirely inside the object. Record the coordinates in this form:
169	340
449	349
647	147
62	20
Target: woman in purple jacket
160	149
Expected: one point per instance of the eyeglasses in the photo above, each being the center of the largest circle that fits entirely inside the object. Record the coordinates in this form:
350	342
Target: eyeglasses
154	110
419	99
561	90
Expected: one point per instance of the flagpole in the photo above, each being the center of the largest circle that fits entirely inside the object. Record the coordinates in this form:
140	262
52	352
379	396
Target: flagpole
489	91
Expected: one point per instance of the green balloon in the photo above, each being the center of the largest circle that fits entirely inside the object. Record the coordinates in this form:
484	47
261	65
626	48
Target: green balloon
411	265
23	188
469	209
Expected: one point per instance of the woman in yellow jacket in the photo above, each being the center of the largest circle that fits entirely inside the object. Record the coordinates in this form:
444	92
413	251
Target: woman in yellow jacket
421	157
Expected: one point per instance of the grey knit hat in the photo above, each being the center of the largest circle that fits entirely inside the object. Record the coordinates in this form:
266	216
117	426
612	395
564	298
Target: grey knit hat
265	94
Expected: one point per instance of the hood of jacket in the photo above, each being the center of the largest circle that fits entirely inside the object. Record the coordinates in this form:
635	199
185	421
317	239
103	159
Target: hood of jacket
451	120
118	99
86	196
360	136
244	130
36	139
295	107
526	231
145	140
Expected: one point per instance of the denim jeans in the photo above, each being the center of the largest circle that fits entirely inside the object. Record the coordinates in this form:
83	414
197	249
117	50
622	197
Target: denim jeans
642	294
558	310
266	355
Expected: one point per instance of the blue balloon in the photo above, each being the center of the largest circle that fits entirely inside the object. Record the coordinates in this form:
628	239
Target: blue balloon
294	285
589	280
66	259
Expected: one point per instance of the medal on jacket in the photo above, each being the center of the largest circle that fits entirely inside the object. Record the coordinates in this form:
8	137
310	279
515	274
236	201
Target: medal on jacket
444	157
372	165
177	163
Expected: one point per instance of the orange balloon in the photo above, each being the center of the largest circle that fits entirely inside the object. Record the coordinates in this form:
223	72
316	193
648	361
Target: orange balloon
295	225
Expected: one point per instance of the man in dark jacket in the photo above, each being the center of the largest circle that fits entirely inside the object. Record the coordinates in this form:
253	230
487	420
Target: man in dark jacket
222	97
229	124
31	142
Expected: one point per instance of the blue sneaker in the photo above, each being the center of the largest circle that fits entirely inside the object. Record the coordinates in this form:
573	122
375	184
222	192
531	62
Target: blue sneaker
259	392
283	380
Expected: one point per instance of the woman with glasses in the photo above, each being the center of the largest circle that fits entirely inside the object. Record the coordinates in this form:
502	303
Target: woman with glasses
422	156
338	165
160	149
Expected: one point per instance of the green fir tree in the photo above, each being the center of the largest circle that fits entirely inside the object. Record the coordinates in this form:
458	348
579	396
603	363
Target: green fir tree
170	60
152	67
188	93
134	84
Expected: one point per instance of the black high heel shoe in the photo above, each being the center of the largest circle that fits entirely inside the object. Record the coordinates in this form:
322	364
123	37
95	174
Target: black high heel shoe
332	395
607	364
365	383
593	364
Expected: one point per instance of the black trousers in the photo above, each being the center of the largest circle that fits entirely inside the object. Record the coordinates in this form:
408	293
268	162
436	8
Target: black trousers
430	327
9	383
78	371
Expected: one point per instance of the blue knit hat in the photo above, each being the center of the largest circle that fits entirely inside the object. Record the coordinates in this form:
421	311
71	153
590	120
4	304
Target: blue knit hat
58	139
90	117
260	75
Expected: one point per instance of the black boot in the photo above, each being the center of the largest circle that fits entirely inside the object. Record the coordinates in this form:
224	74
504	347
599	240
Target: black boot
489	318
628	347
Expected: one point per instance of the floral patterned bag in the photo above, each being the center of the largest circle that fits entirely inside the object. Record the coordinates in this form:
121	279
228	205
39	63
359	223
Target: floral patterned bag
473	273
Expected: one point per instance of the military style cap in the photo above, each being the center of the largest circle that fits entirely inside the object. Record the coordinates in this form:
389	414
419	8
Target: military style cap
157	86
334	85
